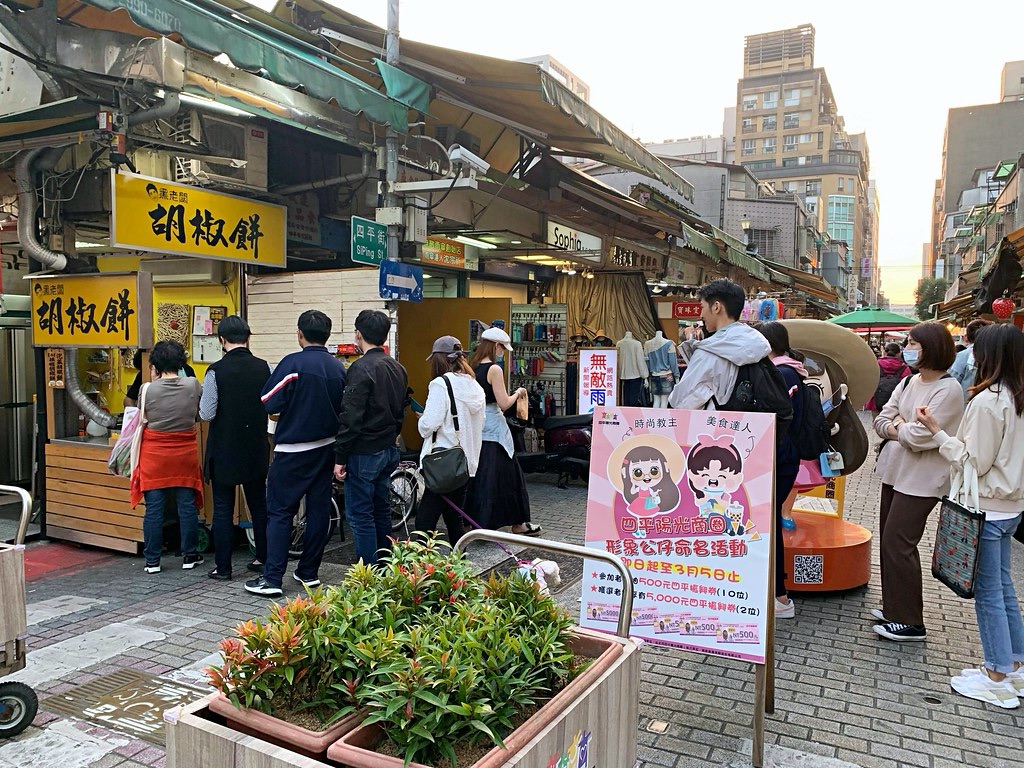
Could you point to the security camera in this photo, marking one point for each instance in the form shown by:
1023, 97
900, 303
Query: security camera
463, 158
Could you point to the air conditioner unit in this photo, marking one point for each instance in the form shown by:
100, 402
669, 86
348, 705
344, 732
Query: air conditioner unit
185, 271
240, 146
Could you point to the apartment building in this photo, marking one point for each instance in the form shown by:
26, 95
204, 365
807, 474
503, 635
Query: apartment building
789, 131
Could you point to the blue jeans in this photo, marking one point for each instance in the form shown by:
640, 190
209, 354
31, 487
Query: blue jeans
153, 522
292, 476
367, 485
995, 602
224, 520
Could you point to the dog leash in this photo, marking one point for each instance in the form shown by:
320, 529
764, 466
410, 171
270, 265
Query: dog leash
474, 524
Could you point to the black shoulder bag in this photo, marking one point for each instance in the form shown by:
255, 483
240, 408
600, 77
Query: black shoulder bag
446, 470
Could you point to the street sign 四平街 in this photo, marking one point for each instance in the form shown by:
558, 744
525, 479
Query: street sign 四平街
162, 217
99, 310
369, 241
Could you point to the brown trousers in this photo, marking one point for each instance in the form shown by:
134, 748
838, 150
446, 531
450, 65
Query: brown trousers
902, 522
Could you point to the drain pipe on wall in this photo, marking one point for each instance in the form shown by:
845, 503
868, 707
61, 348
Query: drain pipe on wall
368, 160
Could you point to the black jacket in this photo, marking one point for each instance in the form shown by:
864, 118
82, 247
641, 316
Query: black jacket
237, 449
372, 407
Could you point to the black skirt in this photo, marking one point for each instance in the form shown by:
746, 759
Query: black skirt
498, 495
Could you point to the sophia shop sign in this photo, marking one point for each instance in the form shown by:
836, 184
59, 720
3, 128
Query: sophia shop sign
98, 310
162, 217
580, 244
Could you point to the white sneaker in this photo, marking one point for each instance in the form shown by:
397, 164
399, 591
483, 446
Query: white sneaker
785, 610
1014, 680
877, 613
982, 688
308, 583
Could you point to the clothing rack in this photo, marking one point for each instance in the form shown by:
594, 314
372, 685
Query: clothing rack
540, 340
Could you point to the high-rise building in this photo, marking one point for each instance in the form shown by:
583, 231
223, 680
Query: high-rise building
562, 73
789, 131
977, 140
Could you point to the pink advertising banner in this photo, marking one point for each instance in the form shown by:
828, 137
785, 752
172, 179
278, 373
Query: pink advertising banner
685, 499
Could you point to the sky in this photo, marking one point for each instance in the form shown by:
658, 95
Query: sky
666, 69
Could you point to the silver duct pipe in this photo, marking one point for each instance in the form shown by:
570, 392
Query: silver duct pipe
368, 159
74, 390
28, 207
50, 83
169, 108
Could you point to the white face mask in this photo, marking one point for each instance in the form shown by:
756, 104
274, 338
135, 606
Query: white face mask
912, 357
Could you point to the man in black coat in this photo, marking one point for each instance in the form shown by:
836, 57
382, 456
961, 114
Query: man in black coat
237, 449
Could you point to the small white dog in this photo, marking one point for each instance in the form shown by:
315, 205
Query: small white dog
545, 572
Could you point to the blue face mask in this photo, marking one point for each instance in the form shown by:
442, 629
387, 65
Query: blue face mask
912, 357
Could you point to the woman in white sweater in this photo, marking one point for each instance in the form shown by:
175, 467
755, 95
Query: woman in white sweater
914, 476
990, 442
449, 367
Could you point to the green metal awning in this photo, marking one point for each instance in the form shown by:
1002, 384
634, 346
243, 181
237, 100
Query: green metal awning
701, 243
1004, 170
58, 116
217, 30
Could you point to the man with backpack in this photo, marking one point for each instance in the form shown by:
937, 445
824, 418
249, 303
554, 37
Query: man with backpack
714, 366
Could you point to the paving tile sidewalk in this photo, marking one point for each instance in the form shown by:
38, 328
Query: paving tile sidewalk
843, 696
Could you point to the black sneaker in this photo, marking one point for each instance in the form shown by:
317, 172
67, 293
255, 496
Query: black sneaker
260, 586
218, 576
901, 633
255, 566
152, 567
307, 583
188, 562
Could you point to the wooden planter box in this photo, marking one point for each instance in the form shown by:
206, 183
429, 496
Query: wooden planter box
597, 719
13, 627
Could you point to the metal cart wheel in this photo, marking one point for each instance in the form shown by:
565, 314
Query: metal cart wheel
203, 539
403, 497
18, 707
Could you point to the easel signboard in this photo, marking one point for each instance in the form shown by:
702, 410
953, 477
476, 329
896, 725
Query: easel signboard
685, 499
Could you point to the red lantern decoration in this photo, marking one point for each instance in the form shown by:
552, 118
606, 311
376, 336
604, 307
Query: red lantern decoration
1003, 308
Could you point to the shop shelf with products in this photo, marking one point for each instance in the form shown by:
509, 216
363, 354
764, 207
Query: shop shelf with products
540, 338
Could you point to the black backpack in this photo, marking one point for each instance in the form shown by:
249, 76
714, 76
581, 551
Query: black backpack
811, 434
887, 384
760, 388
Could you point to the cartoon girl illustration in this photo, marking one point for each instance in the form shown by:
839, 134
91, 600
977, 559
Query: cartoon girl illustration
647, 484
714, 471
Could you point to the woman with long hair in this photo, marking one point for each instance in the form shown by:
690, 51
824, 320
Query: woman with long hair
168, 455
498, 496
451, 379
787, 459
914, 475
989, 444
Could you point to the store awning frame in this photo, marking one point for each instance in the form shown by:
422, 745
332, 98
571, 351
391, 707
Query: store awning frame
71, 114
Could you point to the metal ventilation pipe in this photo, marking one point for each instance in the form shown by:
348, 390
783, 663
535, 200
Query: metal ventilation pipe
74, 390
169, 108
335, 181
28, 207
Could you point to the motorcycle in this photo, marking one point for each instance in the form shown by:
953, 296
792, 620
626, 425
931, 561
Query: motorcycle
566, 447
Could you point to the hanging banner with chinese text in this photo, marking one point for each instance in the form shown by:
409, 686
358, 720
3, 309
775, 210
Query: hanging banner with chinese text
598, 378
100, 310
685, 499
163, 217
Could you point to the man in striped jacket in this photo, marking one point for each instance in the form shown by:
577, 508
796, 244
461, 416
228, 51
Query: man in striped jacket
305, 392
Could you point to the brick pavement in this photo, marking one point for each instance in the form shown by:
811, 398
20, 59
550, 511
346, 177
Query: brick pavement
843, 696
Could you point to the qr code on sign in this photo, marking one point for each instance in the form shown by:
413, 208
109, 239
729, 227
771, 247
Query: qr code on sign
808, 569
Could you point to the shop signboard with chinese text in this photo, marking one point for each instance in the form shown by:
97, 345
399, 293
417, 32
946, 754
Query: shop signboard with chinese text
369, 241
579, 244
598, 379
304, 218
162, 217
686, 310
449, 253
98, 310
685, 499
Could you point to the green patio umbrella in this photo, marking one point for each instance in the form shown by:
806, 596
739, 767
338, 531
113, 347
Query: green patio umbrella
872, 319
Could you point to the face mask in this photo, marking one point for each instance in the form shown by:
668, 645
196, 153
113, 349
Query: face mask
911, 357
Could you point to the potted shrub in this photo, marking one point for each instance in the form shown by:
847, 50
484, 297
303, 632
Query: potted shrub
294, 679
472, 689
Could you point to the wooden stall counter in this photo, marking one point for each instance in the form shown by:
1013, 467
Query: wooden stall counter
84, 501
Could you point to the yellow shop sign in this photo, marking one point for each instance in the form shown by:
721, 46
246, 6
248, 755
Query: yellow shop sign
163, 217
99, 310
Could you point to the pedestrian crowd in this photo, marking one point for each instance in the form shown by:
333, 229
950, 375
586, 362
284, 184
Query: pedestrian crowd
939, 414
